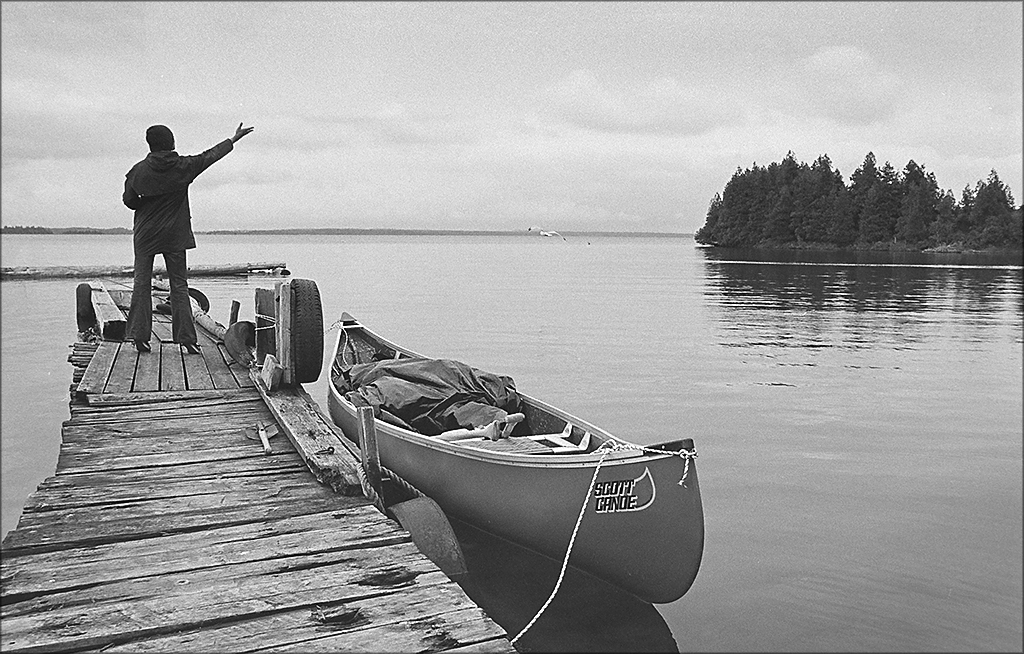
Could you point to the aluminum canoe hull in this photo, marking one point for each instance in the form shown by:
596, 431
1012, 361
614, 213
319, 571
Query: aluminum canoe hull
643, 526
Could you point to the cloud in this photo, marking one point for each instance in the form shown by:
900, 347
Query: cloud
659, 105
845, 84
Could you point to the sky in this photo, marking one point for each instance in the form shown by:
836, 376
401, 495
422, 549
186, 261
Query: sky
599, 116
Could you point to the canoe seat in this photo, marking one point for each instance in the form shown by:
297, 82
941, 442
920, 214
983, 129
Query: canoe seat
513, 444
560, 443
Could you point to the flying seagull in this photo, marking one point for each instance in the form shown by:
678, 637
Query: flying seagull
544, 233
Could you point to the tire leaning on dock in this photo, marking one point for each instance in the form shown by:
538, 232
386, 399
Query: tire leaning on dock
84, 312
307, 337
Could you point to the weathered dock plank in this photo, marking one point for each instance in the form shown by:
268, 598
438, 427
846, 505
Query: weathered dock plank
147, 373
218, 367
122, 372
32, 575
197, 375
95, 377
172, 371
162, 332
373, 624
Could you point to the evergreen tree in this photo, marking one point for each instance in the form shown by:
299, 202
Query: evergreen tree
943, 230
918, 211
873, 223
707, 233
842, 223
963, 214
778, 227
992, 213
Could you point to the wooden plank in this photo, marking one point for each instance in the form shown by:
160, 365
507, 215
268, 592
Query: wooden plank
109, 317
227, 409
84, 495
172, 371
437, 631
121, 297
54, 530
147, 377
220, 373
91, 463
159, 445
316, 441
228, 406
162, 332
34, 574
98, 432
411, 621
184, 406
122, 373
124, 519
165, 605
96, 374
280, 463
197, 375
238, 371
283, 333
139, 397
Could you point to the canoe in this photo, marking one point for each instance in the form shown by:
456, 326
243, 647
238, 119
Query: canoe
527, 479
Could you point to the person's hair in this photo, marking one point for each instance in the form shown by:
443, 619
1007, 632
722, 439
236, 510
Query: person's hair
159, 138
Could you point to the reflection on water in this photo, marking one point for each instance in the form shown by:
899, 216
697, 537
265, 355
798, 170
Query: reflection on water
587, 615
739, 277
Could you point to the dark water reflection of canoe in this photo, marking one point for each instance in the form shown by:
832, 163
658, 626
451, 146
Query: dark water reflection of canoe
587, 615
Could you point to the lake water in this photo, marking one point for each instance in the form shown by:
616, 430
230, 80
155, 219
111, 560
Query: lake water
858, 420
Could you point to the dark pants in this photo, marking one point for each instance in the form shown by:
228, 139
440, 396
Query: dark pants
140, 316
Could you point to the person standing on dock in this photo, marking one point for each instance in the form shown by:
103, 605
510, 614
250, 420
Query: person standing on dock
156, 188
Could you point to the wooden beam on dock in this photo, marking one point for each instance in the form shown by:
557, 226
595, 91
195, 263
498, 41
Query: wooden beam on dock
110, 319
317, 441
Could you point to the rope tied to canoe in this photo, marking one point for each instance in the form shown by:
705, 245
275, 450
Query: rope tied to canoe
606, 448
572, 541
334, 325
685, 455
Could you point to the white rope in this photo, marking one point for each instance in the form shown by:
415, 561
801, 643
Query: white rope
609, 447
334, 325
572, 541
271, 319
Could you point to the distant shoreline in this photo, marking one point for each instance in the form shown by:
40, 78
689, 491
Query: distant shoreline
337, 231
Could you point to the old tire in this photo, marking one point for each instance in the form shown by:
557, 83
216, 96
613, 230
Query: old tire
201, 299
307, 328
84, 313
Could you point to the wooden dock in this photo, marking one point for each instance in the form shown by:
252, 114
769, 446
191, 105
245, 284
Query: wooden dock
167, 528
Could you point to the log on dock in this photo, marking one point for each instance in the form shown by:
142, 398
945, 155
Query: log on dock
207, 270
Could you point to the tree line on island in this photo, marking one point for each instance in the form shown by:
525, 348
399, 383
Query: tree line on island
791, 204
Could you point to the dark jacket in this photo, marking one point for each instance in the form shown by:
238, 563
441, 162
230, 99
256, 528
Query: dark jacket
157, 189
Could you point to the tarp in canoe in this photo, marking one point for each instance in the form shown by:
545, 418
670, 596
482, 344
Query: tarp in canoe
432, 395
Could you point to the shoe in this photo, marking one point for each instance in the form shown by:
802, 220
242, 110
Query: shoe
191, 348
143, 346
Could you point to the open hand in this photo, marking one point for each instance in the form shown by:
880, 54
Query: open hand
240, 132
